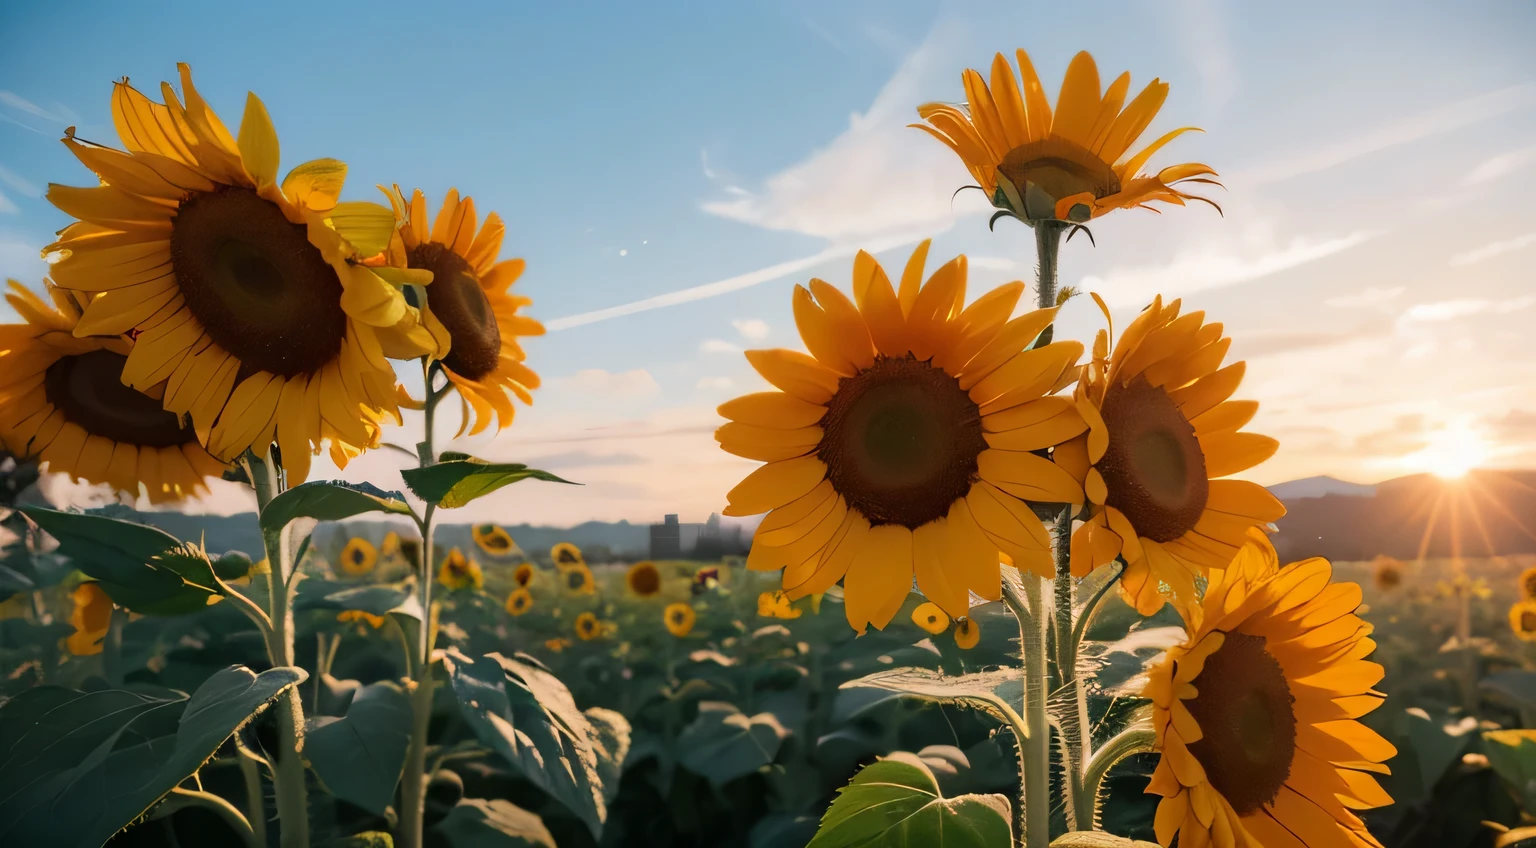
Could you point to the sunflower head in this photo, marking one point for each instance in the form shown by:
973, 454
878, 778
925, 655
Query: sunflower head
1528, 584
63, 401
967, 633
904, 446
523, 574
493, 540
643, 579
577, 580
557, 644
460, 572
358, 557
1256, 713
251, 304
1387, 573
588, 627
519, 601
566, 555
368, 618
1070, 164
469, 310
679, 619
1161, 433
1522, 620
705, 580
391, 545
930, 618
91, 615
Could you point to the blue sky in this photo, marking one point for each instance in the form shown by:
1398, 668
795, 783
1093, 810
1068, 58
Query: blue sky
1374, 264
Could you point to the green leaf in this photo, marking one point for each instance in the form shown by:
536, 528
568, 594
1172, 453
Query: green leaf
1437, 744
724, 743
478, 823
79, 767
330, 500
359, 757
1512, 754
460, 478
377, 599
1515, 685
994, 692
141, 568
524, 713
896, 802
19, 632
366, 839
233, 565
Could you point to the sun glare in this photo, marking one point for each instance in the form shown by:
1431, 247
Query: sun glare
1450, 454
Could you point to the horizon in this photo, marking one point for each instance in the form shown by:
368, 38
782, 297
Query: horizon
1367, 314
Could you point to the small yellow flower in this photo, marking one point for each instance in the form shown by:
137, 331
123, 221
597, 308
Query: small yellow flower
519, 602
358, 557
679, 618
566, 555
643, 579
776, 605
374, 621
523, 574
91, 616
588, 627
1522, 620
557, 645
1528, 584
967, 633
459, 572
492, 539
578, 580
391, 546
929, 617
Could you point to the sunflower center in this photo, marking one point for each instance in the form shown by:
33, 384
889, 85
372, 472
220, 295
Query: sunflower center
458, 301
575, 579
1247, 713
900, 441
679, 617
89, 390
1060, 168
255, 283
1153, 469
645, 581
1528, 620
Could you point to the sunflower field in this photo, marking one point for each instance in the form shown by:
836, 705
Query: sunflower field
1006, 589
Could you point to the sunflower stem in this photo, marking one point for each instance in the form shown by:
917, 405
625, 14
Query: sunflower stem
1129, 742
255, 801
1073, 716
288, 771
413, 780
1025, 599
1047, 249
231, 815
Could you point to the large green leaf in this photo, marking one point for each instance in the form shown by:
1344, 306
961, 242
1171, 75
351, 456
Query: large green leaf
330, 500
1512, 753
79, 766
724, 743
524, 713
359, 756
992, 691
1437, 744
896, 802
478, 823
374, 599
141, 568
460, 478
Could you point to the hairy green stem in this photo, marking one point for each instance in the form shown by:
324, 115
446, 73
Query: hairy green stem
1025, 600
226, 811
1073, 716
1131, 741
414, 777
255, 801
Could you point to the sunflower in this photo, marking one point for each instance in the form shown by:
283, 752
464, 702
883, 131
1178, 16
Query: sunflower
588, 627
903, 445
705, 580
358, 557
1256, 713
91, 616
468, 310
493, 540
565, 555
679, 618
1387, 573
1161, 432
967, 633
1522, 620
557, 644
776, 605
929, 617
643, 579
247, 295
578, 580
460, 572
523, 574
1528, 584
519, 601
62, 400
374, 621
391, 546
1070, 165
410, 551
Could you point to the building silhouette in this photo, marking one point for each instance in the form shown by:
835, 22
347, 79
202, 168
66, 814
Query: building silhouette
708, 541
666, 539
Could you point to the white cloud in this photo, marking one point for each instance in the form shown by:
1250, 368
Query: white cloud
20, 258
21, 104
1440, 119
1208, 268
1494, 249
596, 381
1373, 296
1498, 166
718, 346
1448, 310
715, 383
1200, 26
7, 207
752, 328
19, 184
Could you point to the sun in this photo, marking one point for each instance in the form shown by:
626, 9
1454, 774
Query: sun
1450, 453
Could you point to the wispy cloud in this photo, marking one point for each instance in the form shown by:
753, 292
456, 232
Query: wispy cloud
715, 384
1200, 26
751, 328
1494, 249
1441, 119
1209, 268
1448, 310
18, 183
7, 206
596, 381
1373, 296
1499, 166
718, 346
59, 115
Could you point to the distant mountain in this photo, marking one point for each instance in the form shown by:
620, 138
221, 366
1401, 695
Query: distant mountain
1486, 513
1316, 487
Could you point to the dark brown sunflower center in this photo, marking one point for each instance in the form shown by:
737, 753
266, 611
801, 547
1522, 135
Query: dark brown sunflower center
358, 556
678, 617
89, 390
645, 581
1154, 469
900, 441
255, 283
1528, 621
1247, 713
494, 538
575, 579
1061, 168
457, 300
